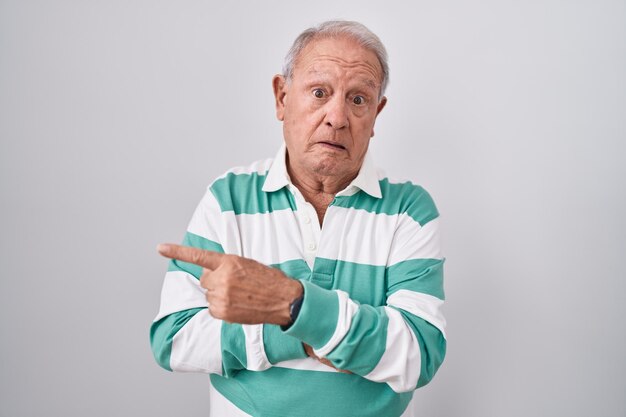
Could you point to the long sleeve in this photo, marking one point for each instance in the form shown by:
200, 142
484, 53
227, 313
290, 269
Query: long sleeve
184, 336
401, 343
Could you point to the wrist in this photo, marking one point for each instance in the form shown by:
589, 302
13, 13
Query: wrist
295, 305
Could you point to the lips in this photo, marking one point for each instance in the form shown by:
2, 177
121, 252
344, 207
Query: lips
334, 145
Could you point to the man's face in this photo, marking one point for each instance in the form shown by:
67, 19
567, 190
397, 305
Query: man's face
329, 107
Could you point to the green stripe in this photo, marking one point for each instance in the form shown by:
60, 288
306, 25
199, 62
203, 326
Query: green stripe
310, 394
364, 344
365, 283
163, 331
419, 275
243, 194
432, 346
297, 268
233, 349
372, 284
194, 241
397, 198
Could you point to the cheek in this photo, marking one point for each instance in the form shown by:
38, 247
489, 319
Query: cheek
362, 124
305, 118
296, 112
296, 130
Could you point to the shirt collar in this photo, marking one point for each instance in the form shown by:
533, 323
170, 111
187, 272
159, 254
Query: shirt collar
277, 177
367, 179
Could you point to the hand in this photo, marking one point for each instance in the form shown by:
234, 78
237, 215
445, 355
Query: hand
309, 351
240, 290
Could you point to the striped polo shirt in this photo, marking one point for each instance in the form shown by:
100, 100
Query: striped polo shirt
373, 289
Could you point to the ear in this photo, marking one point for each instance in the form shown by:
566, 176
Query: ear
279, 85
379, 108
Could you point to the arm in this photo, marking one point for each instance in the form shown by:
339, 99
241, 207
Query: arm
184, 337
402, 343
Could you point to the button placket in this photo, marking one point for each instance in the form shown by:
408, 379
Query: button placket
310, 235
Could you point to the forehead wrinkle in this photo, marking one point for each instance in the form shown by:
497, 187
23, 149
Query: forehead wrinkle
347, 54
374, 70
369, 80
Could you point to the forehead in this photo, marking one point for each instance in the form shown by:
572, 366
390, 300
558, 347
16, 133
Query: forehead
342, 54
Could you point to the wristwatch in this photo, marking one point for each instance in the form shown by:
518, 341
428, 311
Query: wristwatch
294, 310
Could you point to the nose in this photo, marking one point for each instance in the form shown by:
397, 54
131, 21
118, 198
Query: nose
337, 113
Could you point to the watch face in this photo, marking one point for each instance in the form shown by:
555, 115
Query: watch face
294, 308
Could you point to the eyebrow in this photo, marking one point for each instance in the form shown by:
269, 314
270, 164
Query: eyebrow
370, 83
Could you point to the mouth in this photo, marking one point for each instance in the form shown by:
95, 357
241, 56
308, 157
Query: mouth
332, 145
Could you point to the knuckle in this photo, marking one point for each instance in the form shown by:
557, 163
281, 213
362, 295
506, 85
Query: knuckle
196, 257
205, 278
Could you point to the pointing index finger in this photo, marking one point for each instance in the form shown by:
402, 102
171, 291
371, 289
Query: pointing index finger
203, 258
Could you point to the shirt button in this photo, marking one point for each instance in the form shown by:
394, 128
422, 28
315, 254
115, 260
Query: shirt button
311, 246
306, 219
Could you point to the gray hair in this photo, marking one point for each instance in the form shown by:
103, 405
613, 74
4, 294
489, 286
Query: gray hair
335, 28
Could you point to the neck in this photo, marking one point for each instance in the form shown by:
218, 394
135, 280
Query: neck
319, 190
318, 184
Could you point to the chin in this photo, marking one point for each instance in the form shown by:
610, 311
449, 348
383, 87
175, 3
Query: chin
327, 168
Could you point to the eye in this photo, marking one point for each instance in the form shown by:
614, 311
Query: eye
318, 93
358, 100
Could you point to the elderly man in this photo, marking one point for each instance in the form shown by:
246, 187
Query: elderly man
310, 284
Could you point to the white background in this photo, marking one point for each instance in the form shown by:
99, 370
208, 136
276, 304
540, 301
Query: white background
115, 115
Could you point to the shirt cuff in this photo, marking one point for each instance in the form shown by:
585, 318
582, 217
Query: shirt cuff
317, 321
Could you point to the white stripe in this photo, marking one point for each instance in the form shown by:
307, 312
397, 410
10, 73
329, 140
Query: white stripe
347, 310
306, 364
400, 365
230, 239
197, 346
181, 291
421, 305
257, 167
413, 241
270, 238
256, 359
207, 213
358, 236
